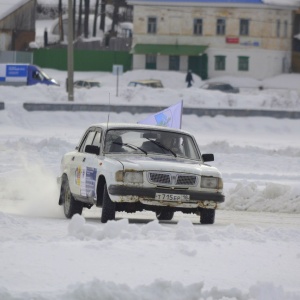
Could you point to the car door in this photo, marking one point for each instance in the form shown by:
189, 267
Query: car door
89, 167
77, 176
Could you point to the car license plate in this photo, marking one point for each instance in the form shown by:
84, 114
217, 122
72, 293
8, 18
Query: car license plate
171, 197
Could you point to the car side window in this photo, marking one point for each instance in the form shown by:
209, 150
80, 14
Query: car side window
87, 141
97, 139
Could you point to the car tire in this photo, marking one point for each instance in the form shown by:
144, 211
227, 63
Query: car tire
71, 206
164, 215
108, 207
207, 216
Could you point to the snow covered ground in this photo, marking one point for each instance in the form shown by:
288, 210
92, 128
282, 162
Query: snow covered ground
251, 252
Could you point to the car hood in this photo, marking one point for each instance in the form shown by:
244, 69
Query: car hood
166, 164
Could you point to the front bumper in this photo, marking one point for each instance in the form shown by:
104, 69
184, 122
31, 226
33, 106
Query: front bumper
147, 196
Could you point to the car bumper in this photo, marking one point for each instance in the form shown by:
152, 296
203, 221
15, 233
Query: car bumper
146, 196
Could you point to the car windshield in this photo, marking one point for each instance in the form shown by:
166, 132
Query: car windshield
44, 74
146, 142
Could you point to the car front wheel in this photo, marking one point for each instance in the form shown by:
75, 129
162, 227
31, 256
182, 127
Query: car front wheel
108, 207
164, 215
71, 206
207, 216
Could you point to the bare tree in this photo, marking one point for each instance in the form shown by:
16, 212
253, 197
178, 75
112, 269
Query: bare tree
74, 17
95, 18
86, 17
115, 15
102, 15
60, 21
79, 26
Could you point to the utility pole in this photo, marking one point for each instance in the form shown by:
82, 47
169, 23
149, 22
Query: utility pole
70, 81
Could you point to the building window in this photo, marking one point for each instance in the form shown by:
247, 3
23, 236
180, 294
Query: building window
174, 62
221, 26
198, 26
243, 63
285, 29
278, 28
244, 27
150, 62
152, 23
220, 63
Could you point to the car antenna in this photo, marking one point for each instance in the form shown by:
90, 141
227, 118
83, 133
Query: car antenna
108, 110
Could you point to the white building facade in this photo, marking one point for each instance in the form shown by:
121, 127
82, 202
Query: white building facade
213, 38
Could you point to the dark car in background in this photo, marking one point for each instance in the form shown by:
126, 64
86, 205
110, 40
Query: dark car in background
154, 83
86, 84
222, 87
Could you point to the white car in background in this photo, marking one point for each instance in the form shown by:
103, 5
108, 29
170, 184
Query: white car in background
134, 167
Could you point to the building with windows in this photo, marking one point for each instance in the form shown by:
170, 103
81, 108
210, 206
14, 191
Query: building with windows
296, 43
17, 24
213, 38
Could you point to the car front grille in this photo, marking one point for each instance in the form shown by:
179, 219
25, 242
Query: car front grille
172, 179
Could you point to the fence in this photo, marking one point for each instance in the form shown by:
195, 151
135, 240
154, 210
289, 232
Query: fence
16, 57
136, 109
84, 60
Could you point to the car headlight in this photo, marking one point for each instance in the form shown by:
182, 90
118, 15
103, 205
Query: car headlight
211, 182
129, 177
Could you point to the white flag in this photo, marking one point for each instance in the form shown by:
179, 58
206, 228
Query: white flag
169, 117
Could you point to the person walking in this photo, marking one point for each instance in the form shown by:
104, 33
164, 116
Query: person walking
45, 38
189, 78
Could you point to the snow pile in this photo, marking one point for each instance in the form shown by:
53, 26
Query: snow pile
160, 289
283, 2
279, 93
119, 260
184, 231
250, 253
272, 198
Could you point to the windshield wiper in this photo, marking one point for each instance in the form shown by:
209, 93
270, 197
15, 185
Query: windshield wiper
162, 146
131, 146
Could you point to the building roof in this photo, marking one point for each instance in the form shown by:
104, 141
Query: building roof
204, 1
9, 6
217, 2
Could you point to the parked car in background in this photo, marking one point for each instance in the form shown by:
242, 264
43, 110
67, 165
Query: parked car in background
86, 84
221, 86
154, 83
18, 74
135, 167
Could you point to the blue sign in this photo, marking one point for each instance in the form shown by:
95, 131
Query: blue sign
16, 70
90, 183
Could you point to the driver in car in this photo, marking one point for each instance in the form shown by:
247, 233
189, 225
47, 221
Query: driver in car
171, 143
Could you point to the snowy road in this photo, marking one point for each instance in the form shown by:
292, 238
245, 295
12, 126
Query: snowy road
242, 253
252, 252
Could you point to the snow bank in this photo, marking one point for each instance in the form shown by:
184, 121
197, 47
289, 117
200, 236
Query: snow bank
184, 231
160, 289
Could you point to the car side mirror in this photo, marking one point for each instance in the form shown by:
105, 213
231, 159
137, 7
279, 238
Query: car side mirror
208, 157
92, 149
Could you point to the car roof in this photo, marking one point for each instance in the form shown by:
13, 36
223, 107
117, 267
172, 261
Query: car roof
87, 80
146, 81
136, 126
217, 83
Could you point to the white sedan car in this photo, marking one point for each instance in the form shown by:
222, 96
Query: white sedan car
134, 167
